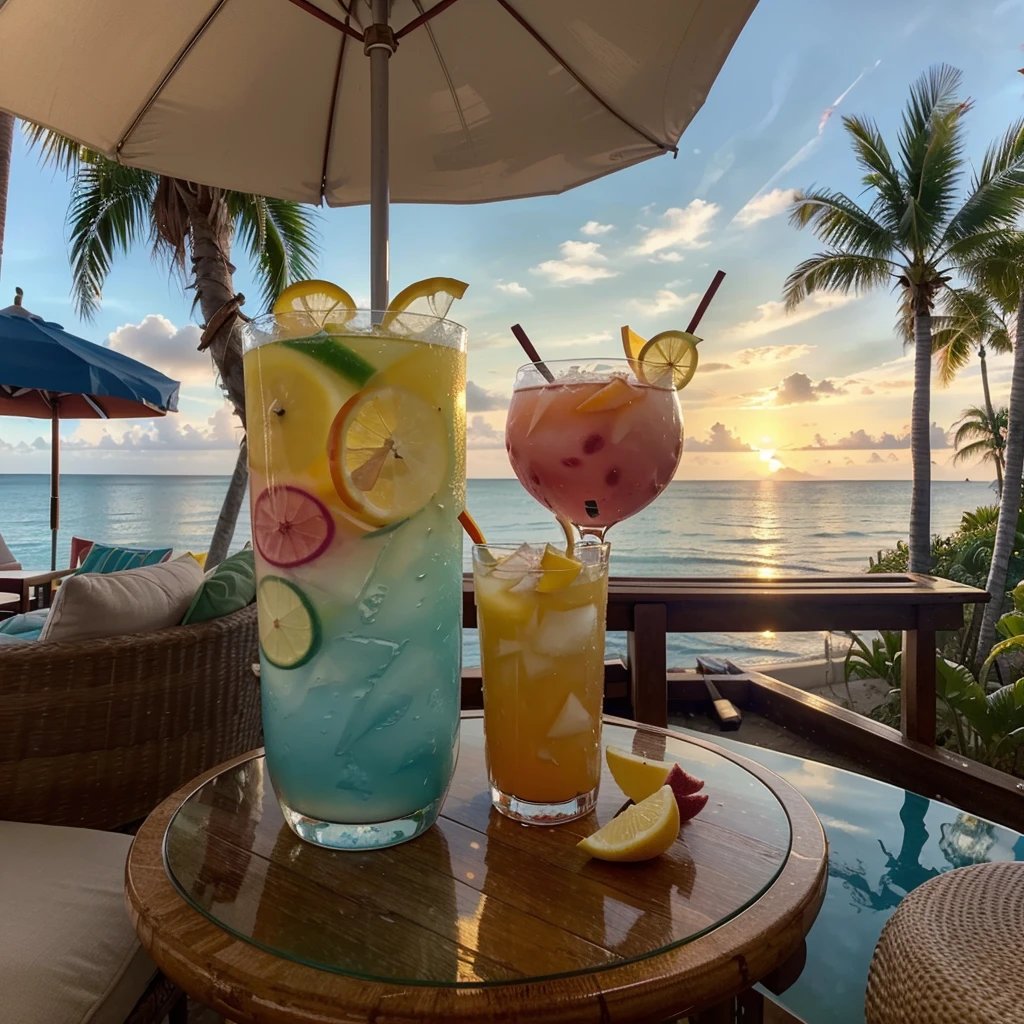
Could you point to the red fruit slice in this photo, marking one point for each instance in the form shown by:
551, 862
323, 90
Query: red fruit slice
690, 806
682, 782
290, 526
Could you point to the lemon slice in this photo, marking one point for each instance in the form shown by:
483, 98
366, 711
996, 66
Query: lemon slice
318, 304
432, 296
632, 343
388, 453
669, 359
290, 403
558, 571
640, 832
637, 777
288, 625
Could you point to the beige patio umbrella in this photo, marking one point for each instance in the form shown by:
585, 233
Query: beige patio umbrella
472, 100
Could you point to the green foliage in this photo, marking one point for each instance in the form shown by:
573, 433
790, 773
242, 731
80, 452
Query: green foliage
881, 660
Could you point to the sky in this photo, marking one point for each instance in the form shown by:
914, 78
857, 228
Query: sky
823, 392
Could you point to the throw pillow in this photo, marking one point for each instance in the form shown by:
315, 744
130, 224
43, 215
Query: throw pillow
95, 605
107, 558
227, 588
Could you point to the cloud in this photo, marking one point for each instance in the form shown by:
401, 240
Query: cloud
581, 263
862, 440
720, 439
671, 256
798, 388
171, 350
681, 228
592, 340
480, 434
221, 432
479, 399
766, 355
593, 228
715, 367
765, 205
513, 288
772, 316
664, 301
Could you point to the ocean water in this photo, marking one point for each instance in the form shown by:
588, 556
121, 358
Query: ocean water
709, 528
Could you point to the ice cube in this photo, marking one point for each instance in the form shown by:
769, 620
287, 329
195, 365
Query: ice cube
507, 647
377, 711
352, 778
535, 664
516, 565
544, 399
545, 755
562, 633
571, 721
527, 585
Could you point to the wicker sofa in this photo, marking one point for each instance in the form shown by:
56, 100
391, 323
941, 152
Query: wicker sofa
96, 733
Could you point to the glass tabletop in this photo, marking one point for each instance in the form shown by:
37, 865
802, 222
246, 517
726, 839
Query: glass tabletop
478, 899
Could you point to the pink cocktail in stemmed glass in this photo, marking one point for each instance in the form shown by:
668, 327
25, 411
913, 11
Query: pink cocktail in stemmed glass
592, 441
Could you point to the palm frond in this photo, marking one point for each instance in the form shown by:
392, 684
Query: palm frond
981, 450
109, 212
1000, 340
840, 223
882, 176
996, 267
56, 150
280, 237
835, 271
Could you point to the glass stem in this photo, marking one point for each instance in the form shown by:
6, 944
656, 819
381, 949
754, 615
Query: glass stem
597, 532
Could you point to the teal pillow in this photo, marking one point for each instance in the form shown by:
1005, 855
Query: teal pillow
105, 558
227, 588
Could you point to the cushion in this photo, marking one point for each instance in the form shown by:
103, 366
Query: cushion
95, 605
68, 953
227, 588
27, 626
104, 558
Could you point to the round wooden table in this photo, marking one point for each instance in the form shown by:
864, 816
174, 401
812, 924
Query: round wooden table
480, 918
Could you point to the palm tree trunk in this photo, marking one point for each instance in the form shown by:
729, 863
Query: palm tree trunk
1009, 503
212, 270
920, 446
225, 528
6, 149
991, 413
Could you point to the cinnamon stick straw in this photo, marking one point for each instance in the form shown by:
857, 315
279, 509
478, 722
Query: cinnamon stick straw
534, 355
705, 302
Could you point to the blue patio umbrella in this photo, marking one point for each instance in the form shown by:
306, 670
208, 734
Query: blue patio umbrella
46, 373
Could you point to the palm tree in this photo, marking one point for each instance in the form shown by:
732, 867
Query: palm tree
981, 436
912, 236
971, 323
6, 148
999, 271
113, 208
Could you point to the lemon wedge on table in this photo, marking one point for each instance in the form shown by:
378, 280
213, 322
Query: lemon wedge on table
669, 359
288, 626
637, 776
388, 452
316, 304
432, 296
641, 832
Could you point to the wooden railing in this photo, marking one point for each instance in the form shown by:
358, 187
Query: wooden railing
648, 609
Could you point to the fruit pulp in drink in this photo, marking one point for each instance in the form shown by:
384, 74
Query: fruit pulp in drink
595, 452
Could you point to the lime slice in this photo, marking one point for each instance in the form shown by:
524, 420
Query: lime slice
288, 624
432, 296
290, 526
632, 343
388, 453
669, 359
335, 356
640, 832
290, 403
317, 304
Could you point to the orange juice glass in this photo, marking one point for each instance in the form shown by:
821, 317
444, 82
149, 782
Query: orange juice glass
542, 657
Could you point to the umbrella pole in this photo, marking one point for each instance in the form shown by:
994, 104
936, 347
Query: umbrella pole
380, 44
54, 477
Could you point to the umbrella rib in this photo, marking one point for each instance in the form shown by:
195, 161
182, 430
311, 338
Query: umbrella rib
99, 410
436, 9
664, 147
424, 17
186, 50
334, 102
327, 19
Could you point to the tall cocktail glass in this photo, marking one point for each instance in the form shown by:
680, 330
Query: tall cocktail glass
542, 660
592, 441
356, 434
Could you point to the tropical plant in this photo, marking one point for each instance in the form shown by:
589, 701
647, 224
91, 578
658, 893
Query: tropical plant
6, 150
882, 659
998, 268
114, 208
913, 235
970, 323
980, 436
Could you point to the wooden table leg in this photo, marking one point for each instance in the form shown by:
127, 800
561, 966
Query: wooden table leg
648, 675
917, 714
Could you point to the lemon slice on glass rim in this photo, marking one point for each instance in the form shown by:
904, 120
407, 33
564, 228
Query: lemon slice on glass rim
669, 360
316, 303
388, 451
433, 296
